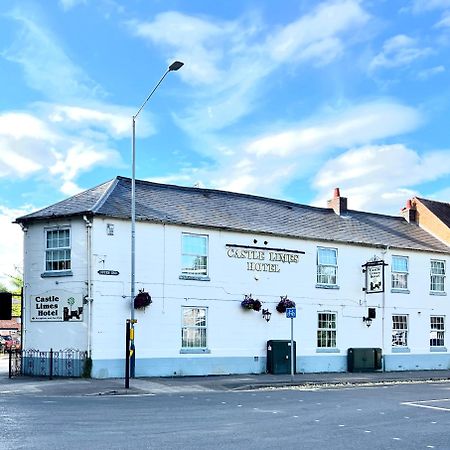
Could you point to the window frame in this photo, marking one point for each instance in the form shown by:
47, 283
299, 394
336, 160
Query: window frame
65, 262
319, 264
326, 334
401, 332
434, 276
396, 274
190, 274
185, 327
437, 330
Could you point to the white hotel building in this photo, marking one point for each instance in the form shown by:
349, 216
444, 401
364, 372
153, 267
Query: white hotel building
199, 252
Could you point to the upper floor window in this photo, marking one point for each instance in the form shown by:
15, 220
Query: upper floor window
194, 257
327, 266
437, 276
326, 330
399, 272
437, 331
57, 249
193, 328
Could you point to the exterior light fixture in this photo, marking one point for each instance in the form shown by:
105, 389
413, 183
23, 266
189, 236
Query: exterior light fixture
371, 314
266, 314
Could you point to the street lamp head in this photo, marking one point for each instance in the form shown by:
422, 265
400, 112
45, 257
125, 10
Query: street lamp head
176, 65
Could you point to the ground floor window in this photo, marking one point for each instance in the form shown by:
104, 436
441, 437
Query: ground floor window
194, 326
326, 330
437, 331
400, 331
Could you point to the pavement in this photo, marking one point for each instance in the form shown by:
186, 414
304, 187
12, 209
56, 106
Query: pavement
179, 385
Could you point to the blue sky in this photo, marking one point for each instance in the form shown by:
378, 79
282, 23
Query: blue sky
283, 99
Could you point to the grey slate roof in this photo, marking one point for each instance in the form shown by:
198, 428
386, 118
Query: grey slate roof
440, 209
162, 203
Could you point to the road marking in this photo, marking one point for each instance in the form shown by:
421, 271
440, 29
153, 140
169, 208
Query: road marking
423, 404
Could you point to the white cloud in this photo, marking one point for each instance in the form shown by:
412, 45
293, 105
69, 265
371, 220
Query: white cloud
65, 140
230, 60
356, 125
380, 177
79, 158
399, 51
36, 48
431, 72
66, 5
266, 165
23, 125
444, 22
315, 34
117, 124
420, 6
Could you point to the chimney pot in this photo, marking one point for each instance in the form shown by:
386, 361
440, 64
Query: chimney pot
408, 204
337, 193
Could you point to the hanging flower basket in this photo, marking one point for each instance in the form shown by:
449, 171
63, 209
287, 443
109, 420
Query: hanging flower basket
250, 303
142, 300
284, 303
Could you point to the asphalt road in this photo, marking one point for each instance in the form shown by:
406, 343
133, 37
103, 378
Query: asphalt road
404, 416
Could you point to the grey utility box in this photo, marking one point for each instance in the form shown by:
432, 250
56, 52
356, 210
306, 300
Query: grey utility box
279, 357
364, 359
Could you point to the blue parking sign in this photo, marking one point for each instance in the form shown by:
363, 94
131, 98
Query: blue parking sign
291, 313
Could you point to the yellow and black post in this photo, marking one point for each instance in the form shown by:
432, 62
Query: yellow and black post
127, 354
129, 351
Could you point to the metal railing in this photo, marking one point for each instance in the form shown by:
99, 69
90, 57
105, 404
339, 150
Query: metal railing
54, 363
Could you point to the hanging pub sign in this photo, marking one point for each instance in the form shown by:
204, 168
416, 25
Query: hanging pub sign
374, 271
56, 306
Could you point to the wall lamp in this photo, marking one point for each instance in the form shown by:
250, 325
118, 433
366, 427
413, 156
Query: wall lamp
371, 314
266, 314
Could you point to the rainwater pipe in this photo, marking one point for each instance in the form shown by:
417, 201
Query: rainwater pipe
89, 283
383, 304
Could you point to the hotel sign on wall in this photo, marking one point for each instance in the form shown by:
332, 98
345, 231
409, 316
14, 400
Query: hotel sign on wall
374, 271
56, 306
263, 259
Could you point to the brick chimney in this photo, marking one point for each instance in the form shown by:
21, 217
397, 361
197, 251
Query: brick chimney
338, 203
409, 212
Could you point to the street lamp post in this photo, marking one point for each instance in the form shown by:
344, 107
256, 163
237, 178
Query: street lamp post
130, 369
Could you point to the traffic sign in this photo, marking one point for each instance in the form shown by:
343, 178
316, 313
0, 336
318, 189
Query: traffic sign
291, 313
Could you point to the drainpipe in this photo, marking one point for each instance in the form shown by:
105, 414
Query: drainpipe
23, 309
383, 305
89, 282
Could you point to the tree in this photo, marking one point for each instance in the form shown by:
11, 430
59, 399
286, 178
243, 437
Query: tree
16, 282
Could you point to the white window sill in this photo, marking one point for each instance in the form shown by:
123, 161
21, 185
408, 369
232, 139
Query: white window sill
327, 286
401, 350
400, 291
194, 351
194, 277
57, 273
438, 293
327, 350
438, 349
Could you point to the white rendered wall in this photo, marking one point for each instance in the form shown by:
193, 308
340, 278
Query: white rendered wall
233, 334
